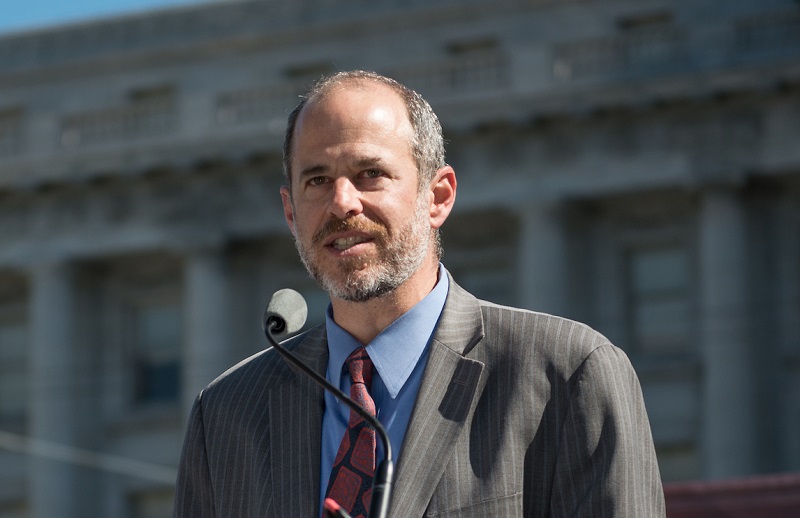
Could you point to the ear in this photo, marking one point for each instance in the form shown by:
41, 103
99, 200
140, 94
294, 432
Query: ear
443, 195
288, 212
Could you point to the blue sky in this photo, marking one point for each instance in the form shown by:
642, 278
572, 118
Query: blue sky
19, 15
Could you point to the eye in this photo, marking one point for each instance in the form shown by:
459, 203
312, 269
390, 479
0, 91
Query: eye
372, 173
317, 180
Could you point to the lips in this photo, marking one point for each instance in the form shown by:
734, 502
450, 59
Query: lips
343, 243
341, 235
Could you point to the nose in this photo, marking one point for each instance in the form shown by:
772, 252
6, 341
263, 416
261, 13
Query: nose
346, 200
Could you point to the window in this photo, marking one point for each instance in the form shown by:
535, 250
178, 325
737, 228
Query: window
10, 132
639, 255
644, 20
142, 334
480, 251
258, 269
13, 371
153, 504
156, 335
14, 340
659, 303
678, 461
658, 282
309, 72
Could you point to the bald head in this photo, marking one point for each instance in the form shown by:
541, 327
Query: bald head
426, 141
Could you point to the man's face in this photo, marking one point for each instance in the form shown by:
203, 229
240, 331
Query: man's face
360, 222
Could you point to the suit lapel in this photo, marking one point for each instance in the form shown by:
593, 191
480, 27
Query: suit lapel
447, 398
295, 419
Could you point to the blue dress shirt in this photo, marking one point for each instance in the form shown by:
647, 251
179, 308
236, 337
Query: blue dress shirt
399, 353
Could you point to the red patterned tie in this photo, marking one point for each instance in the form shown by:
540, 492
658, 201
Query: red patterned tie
353, 470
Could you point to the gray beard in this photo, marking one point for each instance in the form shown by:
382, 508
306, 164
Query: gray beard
397, 260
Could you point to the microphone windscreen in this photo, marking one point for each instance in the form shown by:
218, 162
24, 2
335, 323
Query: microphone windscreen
289, 307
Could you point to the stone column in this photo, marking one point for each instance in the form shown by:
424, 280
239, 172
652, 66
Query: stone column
207, 350
542, 268
728, 435
54, 378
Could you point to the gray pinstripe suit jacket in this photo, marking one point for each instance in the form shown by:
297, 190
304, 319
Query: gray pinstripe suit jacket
519, 414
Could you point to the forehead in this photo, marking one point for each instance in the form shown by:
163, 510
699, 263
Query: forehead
353, 110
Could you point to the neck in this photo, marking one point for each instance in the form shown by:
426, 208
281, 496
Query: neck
365, 320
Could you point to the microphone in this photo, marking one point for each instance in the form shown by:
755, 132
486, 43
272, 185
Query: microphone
285, 315
287, 312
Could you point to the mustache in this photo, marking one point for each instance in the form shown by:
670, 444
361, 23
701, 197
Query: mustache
347, 225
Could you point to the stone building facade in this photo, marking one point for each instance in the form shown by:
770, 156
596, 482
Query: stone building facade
634, 164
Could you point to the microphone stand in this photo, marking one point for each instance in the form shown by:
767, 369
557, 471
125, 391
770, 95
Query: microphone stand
382, 483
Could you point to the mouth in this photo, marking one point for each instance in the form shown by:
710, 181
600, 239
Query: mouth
348, 237
345, 243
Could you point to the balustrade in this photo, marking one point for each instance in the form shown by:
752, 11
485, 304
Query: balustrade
123, 123
645, 50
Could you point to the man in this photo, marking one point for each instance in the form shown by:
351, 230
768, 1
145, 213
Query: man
494, 411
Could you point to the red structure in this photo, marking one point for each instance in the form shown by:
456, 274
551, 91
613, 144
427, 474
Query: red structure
772, 496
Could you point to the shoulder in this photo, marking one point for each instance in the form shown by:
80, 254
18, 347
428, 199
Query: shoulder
555, 346
491, 329
263, 370
563, 358
552, 335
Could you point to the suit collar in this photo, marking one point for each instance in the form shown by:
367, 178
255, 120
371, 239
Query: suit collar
461, 325
450, 389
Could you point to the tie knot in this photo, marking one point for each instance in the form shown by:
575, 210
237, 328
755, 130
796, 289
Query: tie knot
360, 366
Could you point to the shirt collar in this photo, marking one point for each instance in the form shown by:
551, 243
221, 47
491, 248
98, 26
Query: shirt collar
397, 349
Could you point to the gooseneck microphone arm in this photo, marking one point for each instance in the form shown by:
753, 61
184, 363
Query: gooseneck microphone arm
285, 315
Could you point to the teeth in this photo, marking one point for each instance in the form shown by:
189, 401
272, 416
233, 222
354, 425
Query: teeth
343, 243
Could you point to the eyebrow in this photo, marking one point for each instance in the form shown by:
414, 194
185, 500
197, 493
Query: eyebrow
313, 170
368, 161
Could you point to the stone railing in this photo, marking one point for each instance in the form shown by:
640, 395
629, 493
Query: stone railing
658, 50
117, 36
483, 71
256, 105
156, 31
154, 118
646, 53
643, 51
772, 31
472, 72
